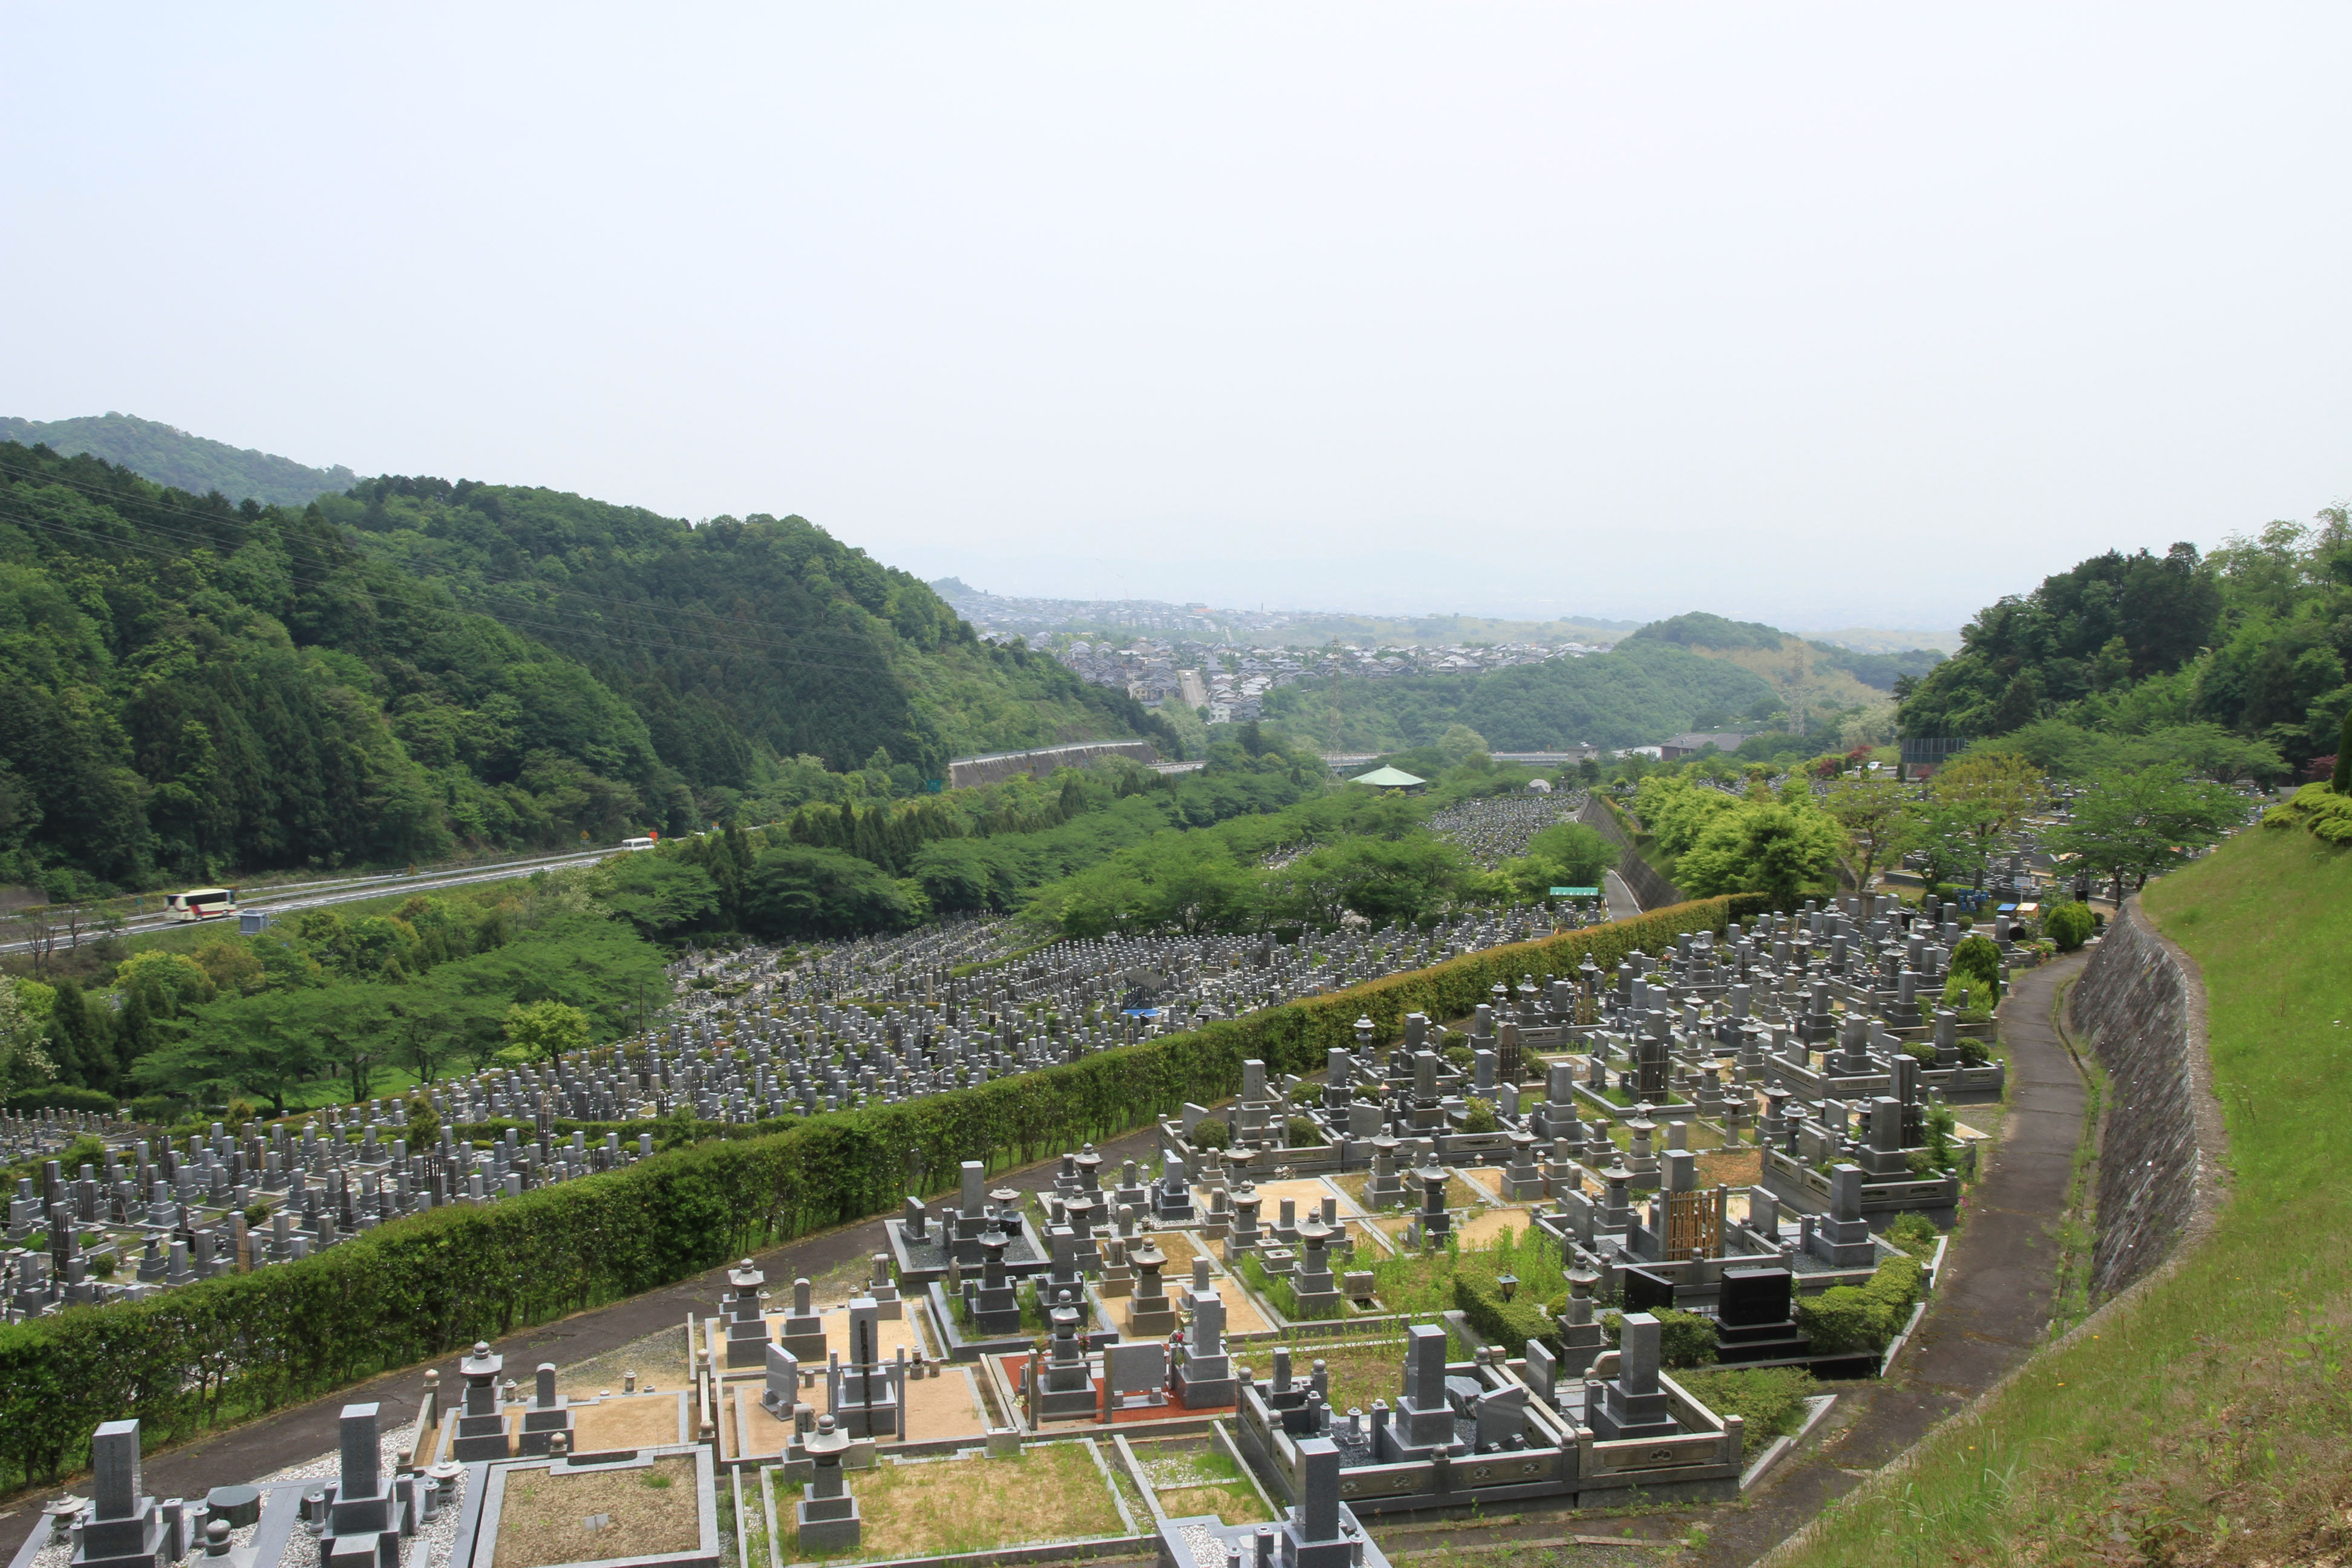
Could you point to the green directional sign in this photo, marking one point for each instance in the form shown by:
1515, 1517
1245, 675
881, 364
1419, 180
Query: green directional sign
1576, 892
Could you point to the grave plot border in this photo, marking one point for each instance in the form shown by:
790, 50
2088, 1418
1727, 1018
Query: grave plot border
486, 1487
1219, 1438
1073, 1549
492, 1492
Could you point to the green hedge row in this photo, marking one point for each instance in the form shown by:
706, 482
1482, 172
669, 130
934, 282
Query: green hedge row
1847, 1318
232, 1347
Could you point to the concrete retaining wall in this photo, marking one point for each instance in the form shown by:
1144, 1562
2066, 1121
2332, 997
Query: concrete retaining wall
1652, 890
2140, 1005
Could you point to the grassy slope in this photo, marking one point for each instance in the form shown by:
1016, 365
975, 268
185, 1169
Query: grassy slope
2204, 1424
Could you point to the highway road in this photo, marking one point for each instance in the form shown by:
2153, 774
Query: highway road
295, 896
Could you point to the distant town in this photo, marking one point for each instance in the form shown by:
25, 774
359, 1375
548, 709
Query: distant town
1225, 662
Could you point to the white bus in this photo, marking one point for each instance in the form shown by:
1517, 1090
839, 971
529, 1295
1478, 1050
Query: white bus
633, 844
200, 904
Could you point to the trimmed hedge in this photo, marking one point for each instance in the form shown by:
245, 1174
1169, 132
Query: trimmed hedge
229, 1347
1847, 1318
63, 1097
1686, 1340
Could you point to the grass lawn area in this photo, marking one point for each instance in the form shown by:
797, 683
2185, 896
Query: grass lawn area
640, 1513
1051, 1492
2205, 1424
1195, 1477
1360, 1373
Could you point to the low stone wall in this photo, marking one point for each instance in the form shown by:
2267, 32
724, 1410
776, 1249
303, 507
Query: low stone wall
2140, 1005
1651, 890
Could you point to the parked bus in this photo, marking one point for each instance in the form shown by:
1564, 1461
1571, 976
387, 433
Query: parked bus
200, 904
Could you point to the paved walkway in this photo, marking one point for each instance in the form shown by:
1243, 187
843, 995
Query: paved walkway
301, 1433
2002, 1267
1622, 904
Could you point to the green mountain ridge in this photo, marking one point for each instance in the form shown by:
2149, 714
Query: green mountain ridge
1692, 671
385, 675
170, 456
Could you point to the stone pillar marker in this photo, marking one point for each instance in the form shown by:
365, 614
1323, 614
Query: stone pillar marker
1311, 1537
482, 1425
126, 1528
826, 1515
116, 1476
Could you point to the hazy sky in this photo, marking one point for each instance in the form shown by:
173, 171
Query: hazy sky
1820, 315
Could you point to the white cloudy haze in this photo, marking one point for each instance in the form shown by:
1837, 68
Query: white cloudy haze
1821, 315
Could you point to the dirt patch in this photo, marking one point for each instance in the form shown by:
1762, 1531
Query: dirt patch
947, 1405
1307, 1192
659, 1360
542, 1519
1459, 1193
644, 1421
1242, 1316
1051, 1492
1731, 1168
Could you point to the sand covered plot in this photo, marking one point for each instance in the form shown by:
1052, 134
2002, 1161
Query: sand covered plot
1459, 1193
1733, 1168
1481, 1228
1307, 1192
630, 1421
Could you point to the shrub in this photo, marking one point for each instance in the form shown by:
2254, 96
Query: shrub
1840, 1319
1685, 1339
1971, 997
1511, 1323
1974, 1052
1769, 1399
1920, 1051
64, 1097
1848, 1318
1459, 1057
1300, 1133
1977, 957
1478, 1116
2068, 925
1211, 1133
1914, 1233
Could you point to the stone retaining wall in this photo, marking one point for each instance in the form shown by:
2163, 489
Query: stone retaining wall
1651, 890
2141, 1007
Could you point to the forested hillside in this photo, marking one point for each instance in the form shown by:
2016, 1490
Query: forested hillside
2235, 661
172, 457
192, 688
1702, 632
1637, 695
